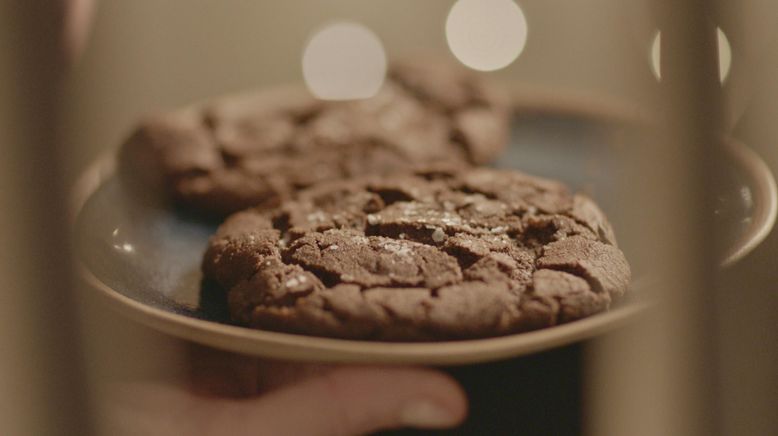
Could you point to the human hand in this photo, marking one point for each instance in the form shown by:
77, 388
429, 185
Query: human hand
238, 395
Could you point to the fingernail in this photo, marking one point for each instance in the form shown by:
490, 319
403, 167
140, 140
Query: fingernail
426, 414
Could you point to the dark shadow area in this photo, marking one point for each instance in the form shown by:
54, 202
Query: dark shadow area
213, 303
538, 394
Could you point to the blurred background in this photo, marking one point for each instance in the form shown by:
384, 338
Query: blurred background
146, 56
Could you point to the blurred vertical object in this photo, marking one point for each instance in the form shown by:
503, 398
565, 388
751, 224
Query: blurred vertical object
659, 376
41, 382
747, 301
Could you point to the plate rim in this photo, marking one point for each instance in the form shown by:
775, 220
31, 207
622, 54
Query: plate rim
764, 215
287, 346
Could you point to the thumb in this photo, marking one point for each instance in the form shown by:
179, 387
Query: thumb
350, 401
344, 401
356, 400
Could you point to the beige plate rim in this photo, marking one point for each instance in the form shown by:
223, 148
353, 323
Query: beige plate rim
315, 349
292, 347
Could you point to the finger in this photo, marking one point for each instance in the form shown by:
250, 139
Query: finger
345, 401
78, 20
275, 374
145, 408
220, 373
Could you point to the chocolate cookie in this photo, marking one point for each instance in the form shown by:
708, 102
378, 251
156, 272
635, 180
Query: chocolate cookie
258, 150
434, 255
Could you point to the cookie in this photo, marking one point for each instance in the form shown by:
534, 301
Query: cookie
259, 150
434, 255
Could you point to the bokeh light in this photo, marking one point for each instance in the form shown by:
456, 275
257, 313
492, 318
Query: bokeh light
724, 51
344, 61
486, 35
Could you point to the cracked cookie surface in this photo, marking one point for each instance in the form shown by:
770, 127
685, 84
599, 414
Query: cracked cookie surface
434, 255
259, 150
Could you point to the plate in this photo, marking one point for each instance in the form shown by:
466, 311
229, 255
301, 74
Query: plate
144, 259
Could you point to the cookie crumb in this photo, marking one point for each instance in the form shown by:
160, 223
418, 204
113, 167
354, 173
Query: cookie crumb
438, 235
316, 217
397, 248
